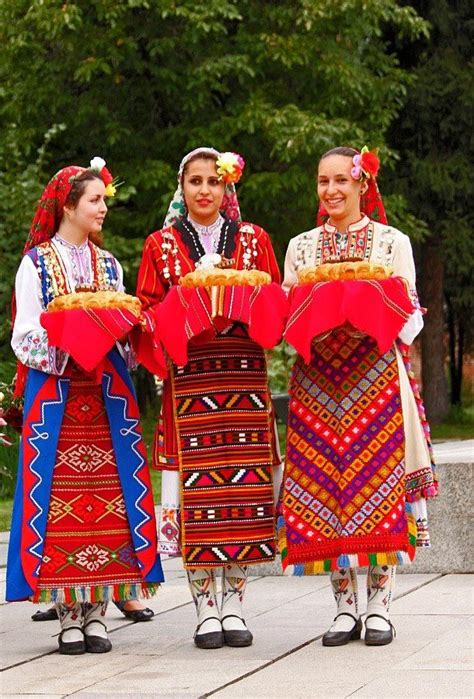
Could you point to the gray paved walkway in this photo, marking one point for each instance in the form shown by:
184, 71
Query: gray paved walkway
431, 656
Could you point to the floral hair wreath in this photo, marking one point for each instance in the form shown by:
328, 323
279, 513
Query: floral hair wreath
230, 167
97, 165
366, 164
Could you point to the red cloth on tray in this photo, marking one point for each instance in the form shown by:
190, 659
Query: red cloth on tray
147, 345
187, 313
88, 334
378, 308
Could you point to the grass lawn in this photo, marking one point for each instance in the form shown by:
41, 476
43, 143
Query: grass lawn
5, 514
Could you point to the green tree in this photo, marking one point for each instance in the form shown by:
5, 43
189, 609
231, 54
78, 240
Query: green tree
434, 139
142, 82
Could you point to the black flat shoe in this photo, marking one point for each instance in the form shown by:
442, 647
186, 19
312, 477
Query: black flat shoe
237, 638
73, 647
96, 644
375, 637
213, 639
341, 638
49, 615
137, 615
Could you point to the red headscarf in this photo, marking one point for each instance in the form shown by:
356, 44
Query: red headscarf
371, 203
49, 211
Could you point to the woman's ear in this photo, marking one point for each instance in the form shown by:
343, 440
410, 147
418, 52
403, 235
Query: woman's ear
67, 210
363, 187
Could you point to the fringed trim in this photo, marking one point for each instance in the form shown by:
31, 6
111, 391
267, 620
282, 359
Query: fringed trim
421, 484
97, 593
352, 560
405, 352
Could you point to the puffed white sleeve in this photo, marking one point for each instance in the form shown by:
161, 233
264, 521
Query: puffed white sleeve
404, 266
291, 277
29, 339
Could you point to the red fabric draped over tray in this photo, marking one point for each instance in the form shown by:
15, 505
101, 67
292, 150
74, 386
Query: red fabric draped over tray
88, 334
378, 308
188, 312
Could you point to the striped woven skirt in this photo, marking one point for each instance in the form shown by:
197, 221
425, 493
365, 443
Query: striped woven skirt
344, 495
222, 419
88, 552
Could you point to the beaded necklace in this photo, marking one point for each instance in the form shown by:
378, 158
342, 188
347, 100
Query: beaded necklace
198, 246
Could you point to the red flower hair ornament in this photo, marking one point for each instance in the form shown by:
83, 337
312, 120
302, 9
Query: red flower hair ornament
366, 164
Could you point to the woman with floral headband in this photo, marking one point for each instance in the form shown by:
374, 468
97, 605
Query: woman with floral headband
358, 464
83, 526
213, 441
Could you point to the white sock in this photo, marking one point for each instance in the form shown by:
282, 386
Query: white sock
345, 590
380, 584
234, 583
203, 589
94, 620
70, 618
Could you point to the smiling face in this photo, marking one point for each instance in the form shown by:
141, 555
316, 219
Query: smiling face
87, 216
338, 191
203, 190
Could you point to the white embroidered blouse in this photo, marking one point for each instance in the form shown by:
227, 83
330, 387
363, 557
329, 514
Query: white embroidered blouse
388, 246
29, 339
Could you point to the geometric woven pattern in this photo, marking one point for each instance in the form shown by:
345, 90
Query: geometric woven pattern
344, 486
88, 540
223, 426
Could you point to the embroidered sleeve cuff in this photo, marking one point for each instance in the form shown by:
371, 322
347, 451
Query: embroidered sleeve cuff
33, 351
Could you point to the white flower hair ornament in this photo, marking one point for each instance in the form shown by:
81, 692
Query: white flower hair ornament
97, 164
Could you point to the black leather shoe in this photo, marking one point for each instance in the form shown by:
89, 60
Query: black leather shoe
73, 647
96, 644
374, 637
237, 638
49, 615
340, 638
136, 615
213, 639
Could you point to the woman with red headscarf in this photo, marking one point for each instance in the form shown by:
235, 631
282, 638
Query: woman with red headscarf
83, 527
358, 463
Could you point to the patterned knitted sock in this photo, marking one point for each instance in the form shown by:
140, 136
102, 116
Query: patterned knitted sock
70, 618
202, 584
234, 582
94, 617
344, 587
380, 583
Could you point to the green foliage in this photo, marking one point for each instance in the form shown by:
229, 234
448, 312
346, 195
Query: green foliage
143, 82
279, 363
434, 138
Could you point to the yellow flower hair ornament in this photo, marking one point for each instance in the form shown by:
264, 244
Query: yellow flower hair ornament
230, 167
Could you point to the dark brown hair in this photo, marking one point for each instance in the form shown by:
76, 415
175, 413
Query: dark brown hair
199, 156
340, 150
79, 186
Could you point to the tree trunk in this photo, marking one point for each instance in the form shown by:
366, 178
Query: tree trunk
456, 352
433, 352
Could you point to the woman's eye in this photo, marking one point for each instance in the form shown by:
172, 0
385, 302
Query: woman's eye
214, 181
